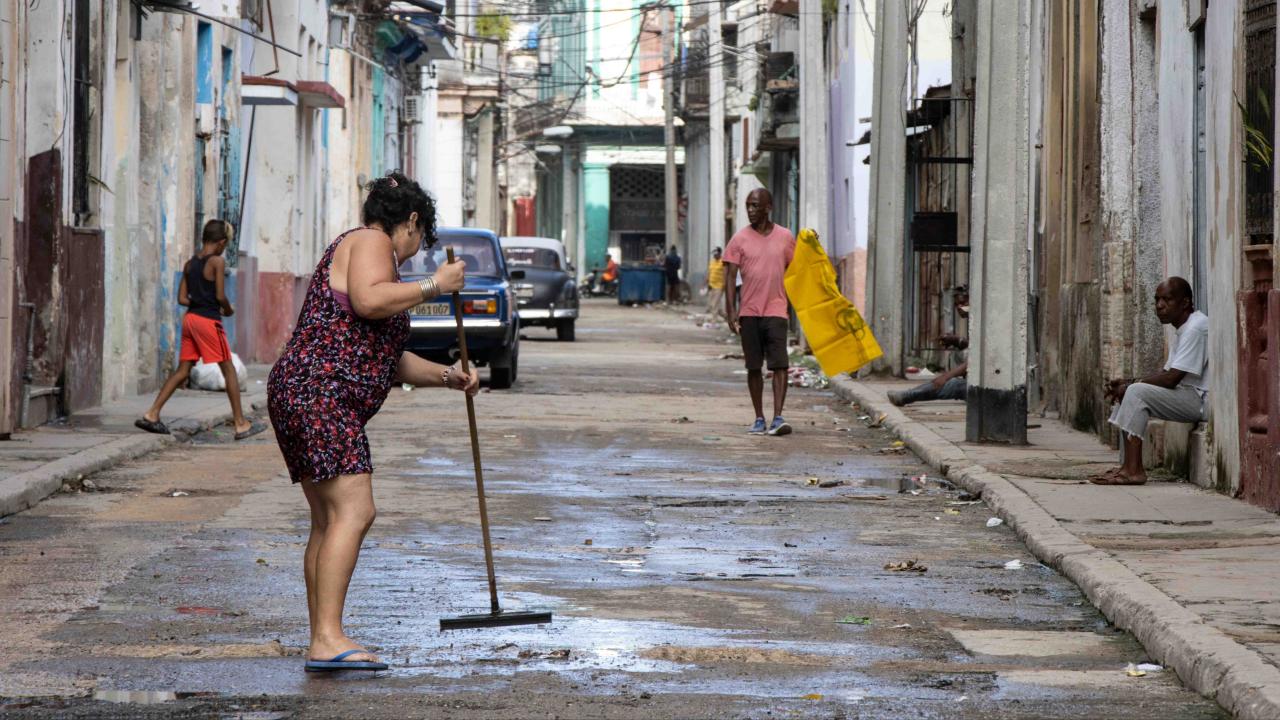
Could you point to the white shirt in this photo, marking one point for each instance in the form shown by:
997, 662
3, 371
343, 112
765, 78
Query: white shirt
1190, 352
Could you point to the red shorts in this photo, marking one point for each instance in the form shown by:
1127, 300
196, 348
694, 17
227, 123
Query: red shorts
203, 339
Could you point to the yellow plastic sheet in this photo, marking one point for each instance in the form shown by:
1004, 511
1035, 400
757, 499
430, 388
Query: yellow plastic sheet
841, 340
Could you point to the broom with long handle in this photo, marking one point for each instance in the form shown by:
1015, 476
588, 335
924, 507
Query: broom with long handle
496, 615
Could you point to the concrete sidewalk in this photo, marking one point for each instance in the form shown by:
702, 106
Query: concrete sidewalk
1192, 573
34, 463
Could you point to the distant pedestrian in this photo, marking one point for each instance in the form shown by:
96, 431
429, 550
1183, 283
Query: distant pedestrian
671, 266
715, 284
761, 253
202, 291
344, 356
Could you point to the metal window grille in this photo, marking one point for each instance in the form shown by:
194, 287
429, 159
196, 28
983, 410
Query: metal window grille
1259, 107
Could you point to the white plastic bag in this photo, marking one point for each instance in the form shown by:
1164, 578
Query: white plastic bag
208, 376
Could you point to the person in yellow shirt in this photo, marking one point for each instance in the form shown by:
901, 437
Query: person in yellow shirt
715, 285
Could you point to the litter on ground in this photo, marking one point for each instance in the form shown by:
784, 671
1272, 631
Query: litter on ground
854, 620
995, 522
906, 566
1013, 565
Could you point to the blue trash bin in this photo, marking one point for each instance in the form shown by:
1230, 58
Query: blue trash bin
641, 284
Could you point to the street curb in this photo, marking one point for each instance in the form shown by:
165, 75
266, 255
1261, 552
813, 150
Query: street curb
1205, 658
24, 490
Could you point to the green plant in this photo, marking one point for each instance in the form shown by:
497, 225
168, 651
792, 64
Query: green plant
753, 103
830, 8
494, 26
1259, 151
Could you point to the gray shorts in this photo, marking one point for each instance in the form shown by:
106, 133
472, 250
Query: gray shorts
1142, 402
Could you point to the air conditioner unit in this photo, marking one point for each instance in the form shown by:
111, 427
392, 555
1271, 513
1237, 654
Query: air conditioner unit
413, 109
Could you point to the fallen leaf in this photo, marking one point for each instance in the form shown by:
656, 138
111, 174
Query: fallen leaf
262, 561
587, 541
951, 511
812, 696
830, 483
854, 620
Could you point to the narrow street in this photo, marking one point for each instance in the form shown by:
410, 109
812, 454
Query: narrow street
694, 570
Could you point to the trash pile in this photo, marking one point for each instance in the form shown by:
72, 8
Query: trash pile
806, 378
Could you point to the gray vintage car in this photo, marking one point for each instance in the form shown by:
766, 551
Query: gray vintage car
547, 295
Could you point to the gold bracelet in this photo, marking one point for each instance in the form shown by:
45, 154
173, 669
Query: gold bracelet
427, 286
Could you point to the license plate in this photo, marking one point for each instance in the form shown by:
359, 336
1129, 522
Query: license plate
431, 309
524, 293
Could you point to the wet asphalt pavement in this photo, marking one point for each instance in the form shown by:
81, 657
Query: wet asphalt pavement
694, 570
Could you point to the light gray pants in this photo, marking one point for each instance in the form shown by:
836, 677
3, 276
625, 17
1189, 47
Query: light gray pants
1142, 402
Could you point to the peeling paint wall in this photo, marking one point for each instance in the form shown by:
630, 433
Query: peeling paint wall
12, 97
1223, 72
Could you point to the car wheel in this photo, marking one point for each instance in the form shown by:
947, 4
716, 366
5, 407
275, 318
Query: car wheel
565, 330
502, 371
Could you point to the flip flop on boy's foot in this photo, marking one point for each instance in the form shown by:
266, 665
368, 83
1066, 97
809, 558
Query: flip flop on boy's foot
151, 426
340, 662
254, 429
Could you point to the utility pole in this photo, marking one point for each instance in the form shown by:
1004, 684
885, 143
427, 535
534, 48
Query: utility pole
814, 182
669, 133
715, 206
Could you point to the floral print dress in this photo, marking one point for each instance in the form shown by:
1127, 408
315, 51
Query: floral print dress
331, 379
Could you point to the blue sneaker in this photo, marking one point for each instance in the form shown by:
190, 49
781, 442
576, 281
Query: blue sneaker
779, 427
758, 428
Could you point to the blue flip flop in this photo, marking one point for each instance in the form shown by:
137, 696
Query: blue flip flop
340, 663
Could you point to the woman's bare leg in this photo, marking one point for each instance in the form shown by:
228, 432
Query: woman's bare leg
178, 377
319, 521
348, 504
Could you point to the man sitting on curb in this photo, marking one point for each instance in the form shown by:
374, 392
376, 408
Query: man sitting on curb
1177, 393
952, 384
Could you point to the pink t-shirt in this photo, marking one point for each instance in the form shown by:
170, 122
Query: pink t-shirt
763, 261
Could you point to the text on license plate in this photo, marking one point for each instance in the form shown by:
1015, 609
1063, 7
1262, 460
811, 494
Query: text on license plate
431, 309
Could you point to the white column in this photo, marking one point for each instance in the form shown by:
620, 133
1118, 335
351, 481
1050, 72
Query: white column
715, 208
814, 180
424, 132
886, 228
1002, 223
569, 210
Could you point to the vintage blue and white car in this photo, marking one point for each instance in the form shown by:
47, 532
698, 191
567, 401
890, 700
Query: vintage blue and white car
489, 309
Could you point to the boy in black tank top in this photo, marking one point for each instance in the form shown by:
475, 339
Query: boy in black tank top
203, 293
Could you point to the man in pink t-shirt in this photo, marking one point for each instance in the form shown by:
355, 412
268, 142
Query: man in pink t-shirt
761, 253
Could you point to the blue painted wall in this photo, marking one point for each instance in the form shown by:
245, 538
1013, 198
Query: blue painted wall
204, 63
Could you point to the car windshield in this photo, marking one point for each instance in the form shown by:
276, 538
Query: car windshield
476, 252
532, 257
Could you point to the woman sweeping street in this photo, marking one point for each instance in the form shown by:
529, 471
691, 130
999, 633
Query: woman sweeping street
335, 373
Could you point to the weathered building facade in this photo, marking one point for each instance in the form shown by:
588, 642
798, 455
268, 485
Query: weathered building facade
125, 125
1116, 142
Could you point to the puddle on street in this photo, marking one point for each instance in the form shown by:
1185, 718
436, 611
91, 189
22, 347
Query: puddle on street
146, 697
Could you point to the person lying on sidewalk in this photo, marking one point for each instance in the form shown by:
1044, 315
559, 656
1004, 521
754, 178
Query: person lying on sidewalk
203, 293
952, 384
1177, 393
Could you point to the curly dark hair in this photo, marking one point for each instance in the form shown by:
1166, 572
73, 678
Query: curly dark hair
393, 198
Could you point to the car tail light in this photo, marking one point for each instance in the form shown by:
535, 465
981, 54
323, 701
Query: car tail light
480, 307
